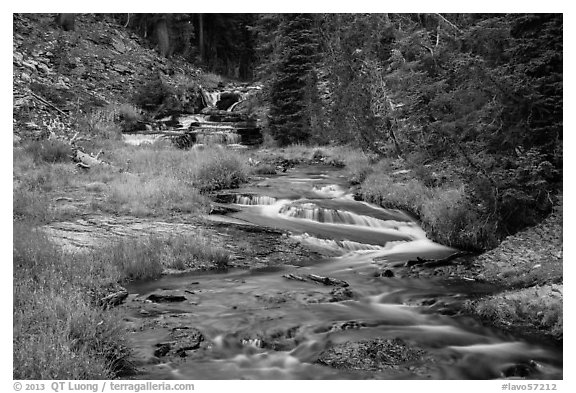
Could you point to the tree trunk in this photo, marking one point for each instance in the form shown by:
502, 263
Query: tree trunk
201, 37
65, 21
163, 37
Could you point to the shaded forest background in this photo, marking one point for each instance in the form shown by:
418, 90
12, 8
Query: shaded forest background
469, 101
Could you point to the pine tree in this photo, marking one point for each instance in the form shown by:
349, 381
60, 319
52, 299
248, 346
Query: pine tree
293, 83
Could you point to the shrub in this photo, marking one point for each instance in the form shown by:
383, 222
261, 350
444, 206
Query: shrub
217, 170
449, 218
211, 81
129, 117
49, 150
101, 122
160, 97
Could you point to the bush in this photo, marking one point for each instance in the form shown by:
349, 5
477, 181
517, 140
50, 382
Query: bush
101, 122
129, 117
449, 218
161, 98
49, 150
217, 170
446, 213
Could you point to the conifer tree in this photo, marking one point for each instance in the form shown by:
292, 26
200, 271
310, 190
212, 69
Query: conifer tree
293, 83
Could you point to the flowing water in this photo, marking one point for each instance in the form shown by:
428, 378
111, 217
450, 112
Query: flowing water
259, 324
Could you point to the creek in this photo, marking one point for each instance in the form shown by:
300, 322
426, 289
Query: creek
278, 323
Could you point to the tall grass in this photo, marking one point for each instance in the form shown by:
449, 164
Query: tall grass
148, 257
446, 214
142, 181
58, 332
152, 195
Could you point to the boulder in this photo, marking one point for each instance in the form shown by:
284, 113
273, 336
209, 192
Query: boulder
227, 99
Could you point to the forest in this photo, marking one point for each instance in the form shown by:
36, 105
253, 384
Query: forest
288, 196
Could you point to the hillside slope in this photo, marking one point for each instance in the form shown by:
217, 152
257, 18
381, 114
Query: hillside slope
59, 76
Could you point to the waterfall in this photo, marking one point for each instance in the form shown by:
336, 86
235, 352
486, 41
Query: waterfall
220, 137
255, 200
210, 98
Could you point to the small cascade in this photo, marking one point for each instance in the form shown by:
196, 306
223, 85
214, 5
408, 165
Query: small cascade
210, 98
343, 245
255, 200
233, 106
221, 121
217, 137
311, 211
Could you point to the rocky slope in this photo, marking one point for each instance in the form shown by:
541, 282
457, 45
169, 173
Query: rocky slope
60, 75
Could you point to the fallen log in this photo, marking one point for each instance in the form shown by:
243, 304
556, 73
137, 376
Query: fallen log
85, 160
436, 262
327, 280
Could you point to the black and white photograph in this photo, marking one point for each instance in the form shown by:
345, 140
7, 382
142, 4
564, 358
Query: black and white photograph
286, 196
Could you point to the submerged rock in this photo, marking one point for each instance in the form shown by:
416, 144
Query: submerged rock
166, 298
187, 339
378, 354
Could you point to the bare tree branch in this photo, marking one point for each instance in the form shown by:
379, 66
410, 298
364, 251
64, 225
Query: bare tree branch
449, 23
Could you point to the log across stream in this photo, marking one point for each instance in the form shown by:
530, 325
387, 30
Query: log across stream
331, 318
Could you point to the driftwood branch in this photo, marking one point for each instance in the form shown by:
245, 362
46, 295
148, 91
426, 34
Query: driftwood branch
317, 278
327, 280
87, 161
436, 262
